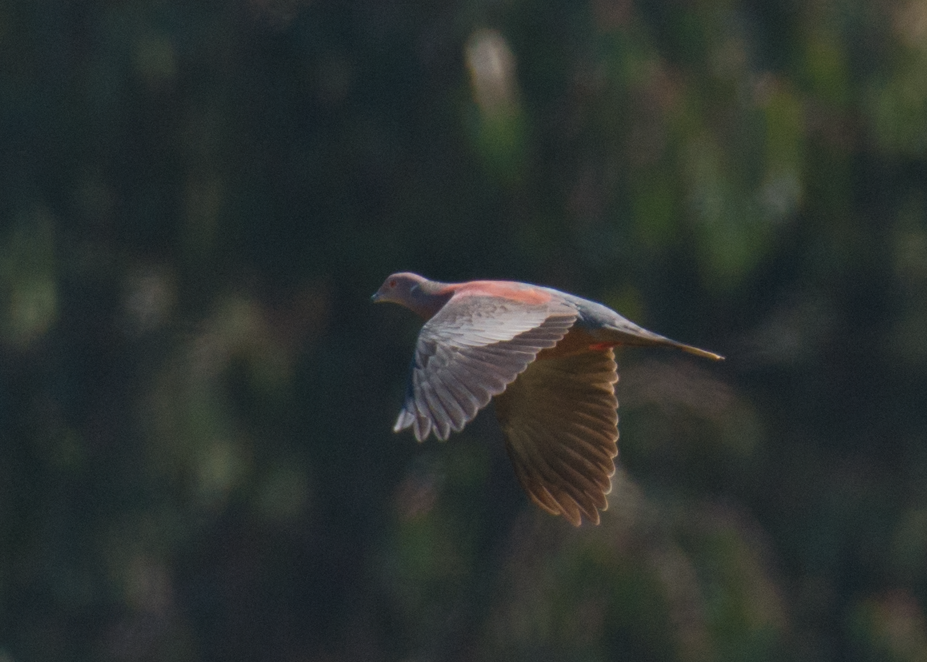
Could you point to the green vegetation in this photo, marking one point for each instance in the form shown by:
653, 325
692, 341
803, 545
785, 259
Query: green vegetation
196, 396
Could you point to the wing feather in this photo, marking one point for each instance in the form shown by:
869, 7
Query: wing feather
470, 351
561, 429
566, 500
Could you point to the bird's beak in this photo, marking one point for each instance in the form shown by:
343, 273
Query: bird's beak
376, 297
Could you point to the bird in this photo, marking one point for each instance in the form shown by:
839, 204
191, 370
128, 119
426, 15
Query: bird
547, 357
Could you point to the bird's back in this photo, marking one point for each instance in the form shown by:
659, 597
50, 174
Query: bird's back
597, 324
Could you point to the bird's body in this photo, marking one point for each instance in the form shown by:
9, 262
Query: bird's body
547, 357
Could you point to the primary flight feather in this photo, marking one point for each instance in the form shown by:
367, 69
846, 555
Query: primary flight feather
547, 358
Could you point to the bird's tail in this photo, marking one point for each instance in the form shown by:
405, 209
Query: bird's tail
631, 334
704, 353
624, 332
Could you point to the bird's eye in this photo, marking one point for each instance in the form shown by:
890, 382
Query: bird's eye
392, 283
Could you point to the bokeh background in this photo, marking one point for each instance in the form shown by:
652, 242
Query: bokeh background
197, 200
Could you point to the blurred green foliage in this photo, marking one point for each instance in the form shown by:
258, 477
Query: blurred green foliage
196, 397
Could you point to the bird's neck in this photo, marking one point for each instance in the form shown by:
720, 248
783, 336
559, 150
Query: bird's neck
430, 297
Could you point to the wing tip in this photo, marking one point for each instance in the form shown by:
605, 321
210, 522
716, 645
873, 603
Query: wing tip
422, 426
571, 509
576, 517
404, 421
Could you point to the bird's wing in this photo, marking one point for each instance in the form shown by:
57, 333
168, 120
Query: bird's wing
560, 422
470, 351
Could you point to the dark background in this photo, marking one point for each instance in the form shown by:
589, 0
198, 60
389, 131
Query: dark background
197, 200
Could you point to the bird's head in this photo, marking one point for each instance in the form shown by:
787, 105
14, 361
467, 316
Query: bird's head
416, 293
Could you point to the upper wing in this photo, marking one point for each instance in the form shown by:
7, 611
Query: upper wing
470, 351
561, 431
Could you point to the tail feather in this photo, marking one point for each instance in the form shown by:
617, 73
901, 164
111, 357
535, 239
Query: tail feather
631, 334
704, 353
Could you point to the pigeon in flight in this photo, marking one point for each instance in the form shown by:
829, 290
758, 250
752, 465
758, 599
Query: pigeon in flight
546, 356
